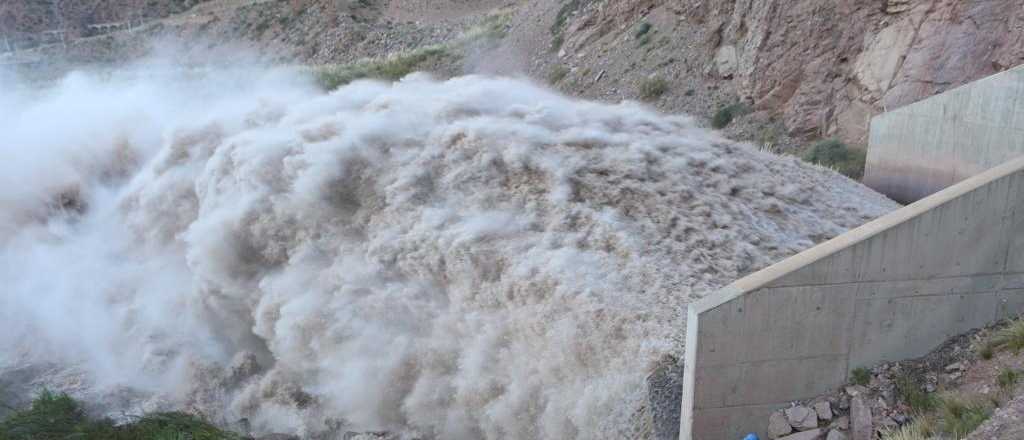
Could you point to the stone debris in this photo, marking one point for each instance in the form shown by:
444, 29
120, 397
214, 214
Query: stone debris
858, 412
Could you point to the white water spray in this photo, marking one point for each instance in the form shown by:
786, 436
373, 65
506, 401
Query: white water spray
473, 258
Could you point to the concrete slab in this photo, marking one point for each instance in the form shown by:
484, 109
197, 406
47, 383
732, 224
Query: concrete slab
892, 289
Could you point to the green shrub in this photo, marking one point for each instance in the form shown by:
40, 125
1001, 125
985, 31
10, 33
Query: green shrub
642, 30
557, 74
986, 351
59, 417
959, 416
1008, 377
836, 155
725, 115
653, 88
860, 376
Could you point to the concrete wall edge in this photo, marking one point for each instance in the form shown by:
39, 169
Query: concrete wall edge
778, 270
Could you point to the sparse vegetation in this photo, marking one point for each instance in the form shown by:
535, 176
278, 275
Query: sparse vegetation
653, 88
642, 34
1007, 378
58, 417
557, 74
392, 68
959, 416
558, 27
768, 137
836, 155
725, 115
954, 417
922, 428
397, 66
860, 376
642, 30
910, 392
986, 351
1010, 338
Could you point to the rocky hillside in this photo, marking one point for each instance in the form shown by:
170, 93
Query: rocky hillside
791, 70
26, 23
820, 67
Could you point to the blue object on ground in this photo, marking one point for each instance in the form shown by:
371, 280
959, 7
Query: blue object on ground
751, 437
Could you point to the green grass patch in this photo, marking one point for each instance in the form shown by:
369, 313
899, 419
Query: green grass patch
922, 428
838, 156
652, 88
725, 115
960, 416
398, 65
1008, 377
913, 395
59, 417
392, 68
860, 376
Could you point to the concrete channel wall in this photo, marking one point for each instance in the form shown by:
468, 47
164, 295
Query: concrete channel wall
892, 289
924, 147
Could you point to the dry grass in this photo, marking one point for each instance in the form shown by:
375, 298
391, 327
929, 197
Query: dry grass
1010, 338
653, 88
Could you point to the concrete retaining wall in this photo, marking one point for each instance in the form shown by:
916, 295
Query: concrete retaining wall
892, 289
919, 149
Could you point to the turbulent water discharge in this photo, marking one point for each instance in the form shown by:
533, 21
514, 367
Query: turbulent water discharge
476, 258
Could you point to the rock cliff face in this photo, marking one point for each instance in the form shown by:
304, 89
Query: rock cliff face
827, 66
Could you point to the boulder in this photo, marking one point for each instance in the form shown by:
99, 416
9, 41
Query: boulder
814, 434
835, 435
778, 426
842, 423
860, 418
802, 418
856, 390
824, 410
